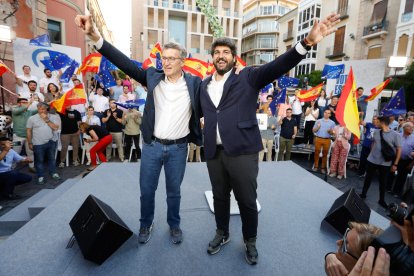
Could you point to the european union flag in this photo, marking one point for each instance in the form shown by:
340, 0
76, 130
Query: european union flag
266, 88
59, 60
41, 40
139, 64
132, 104
65, 77
396, 106
158, 61
332, 71
284, 82
104, 74
97, 78
279, 99
47, 62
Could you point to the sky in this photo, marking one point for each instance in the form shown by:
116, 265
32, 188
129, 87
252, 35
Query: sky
117, 15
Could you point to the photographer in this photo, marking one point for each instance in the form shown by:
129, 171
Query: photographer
9, 177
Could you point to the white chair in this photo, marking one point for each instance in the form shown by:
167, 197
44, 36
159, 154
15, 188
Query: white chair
59, 148
83, 147
276, 145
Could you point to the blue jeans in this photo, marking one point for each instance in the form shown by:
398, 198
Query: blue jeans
153, 157
40, 152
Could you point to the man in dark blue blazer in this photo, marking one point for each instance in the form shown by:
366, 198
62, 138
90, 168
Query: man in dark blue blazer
170, 120
231, 133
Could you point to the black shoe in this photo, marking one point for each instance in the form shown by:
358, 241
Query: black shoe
176, 235
363, 196
251, 251
382, 203
145, 234
219, 240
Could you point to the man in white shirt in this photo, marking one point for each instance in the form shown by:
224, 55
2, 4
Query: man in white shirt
23, 80
48, 78
117, 90
32, 96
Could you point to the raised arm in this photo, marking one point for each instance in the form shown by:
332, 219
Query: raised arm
84, 22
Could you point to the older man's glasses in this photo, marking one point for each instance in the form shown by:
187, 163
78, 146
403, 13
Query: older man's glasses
344, 248
170, 59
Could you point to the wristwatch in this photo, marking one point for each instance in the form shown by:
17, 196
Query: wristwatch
305, 45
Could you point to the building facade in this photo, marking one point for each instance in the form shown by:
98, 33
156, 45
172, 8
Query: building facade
288, 27
261, 32
183, 22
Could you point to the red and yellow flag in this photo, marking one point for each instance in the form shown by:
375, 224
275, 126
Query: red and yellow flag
240, 63
347, 111
377, 90
210, 68
3, 68
74, 96
195, 67
147, 64
311, 94
156, 49
91, 63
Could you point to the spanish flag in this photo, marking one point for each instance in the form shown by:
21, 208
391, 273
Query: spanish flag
3, 68
210, 68
377, 90
74, 96
311, 94
156, 49
91, 63
347, 110
147, 64
240, 63
195, 67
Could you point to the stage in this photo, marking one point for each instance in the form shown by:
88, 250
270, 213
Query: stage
290, 239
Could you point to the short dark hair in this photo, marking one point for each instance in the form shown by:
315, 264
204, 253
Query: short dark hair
224, 41
46, 69
384, 119
76, 80
112, 100
89, 107
289, 109
21, 99
25, 66
5, 138
360, 88
269, 96
31, 81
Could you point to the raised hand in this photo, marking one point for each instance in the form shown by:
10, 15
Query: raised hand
322, 28
84, 22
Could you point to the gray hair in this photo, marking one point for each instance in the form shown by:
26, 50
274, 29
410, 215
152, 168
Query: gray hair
176, 46
407, 124
42, 104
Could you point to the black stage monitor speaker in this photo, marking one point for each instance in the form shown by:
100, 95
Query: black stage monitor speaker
98, 230
348, 207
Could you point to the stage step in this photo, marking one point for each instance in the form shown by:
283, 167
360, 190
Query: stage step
18, 216
36, 207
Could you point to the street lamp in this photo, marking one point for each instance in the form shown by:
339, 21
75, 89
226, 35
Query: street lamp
5, 37
397, 63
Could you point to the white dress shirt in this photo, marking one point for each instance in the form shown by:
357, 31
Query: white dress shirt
100, 103
215, 91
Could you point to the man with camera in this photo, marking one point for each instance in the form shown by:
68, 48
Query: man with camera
9, 177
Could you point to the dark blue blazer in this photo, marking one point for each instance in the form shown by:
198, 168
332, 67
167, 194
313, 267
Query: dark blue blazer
150, 78
236, 112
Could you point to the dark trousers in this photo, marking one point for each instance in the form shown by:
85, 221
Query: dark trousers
383, 172
401, 176
12, 178
308, 133
297, 118
128, 144
237, 173
363, 159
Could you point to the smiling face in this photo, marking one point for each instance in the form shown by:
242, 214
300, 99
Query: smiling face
223, 59
172, 62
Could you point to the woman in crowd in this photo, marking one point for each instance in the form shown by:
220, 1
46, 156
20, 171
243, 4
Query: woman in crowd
311, 115
339, 151
356, 240
91, 119
100, 135
323, 102
53, 93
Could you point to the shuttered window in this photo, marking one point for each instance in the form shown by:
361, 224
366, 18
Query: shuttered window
379, 12
339, 41
374, 53
402, 45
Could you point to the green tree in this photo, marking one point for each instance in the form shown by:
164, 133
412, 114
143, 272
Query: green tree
314, 78
406, 81
212, 18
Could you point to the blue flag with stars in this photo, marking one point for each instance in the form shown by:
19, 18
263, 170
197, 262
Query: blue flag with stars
332, 71
47, 62
104, 74
139, 64
158, 61
132, 104
65, 77
396, 106
266, 88
41, 40
59, 60
284, 82
280, 99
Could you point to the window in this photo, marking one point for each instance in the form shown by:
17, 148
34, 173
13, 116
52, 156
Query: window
402, 45
408, 6
307, 16
374, 53
339, 41
342, 7
55, 31
379, 12
177, 29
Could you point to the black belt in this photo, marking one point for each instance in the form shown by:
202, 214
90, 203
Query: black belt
170, 142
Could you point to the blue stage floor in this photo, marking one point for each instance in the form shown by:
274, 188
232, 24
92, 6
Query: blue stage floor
290, 241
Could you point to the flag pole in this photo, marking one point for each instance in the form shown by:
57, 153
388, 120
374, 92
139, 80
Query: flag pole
393, 85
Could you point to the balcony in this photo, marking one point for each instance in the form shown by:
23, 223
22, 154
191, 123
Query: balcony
406, 17
376, 30
178, 6
268, 27
335, 52
288, 36
343, 12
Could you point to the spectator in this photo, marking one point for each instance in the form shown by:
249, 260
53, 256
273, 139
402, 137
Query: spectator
117, 90
393, 123
268, 136
376, 159
140, 93
20, 115
311, 115
355, 241
70, 135
52, 94
401, 121
113, 121
332, 107
132, 121
10, 177
125, 96
283, 107
369, 129
296, 108
340, 150
264, 107
47, 79
361, 103
99, 102
127, 82
323, 102
23, 81
322, 130
82, 106
32, 95
42, 139
288, 133
102, 138
91, 119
